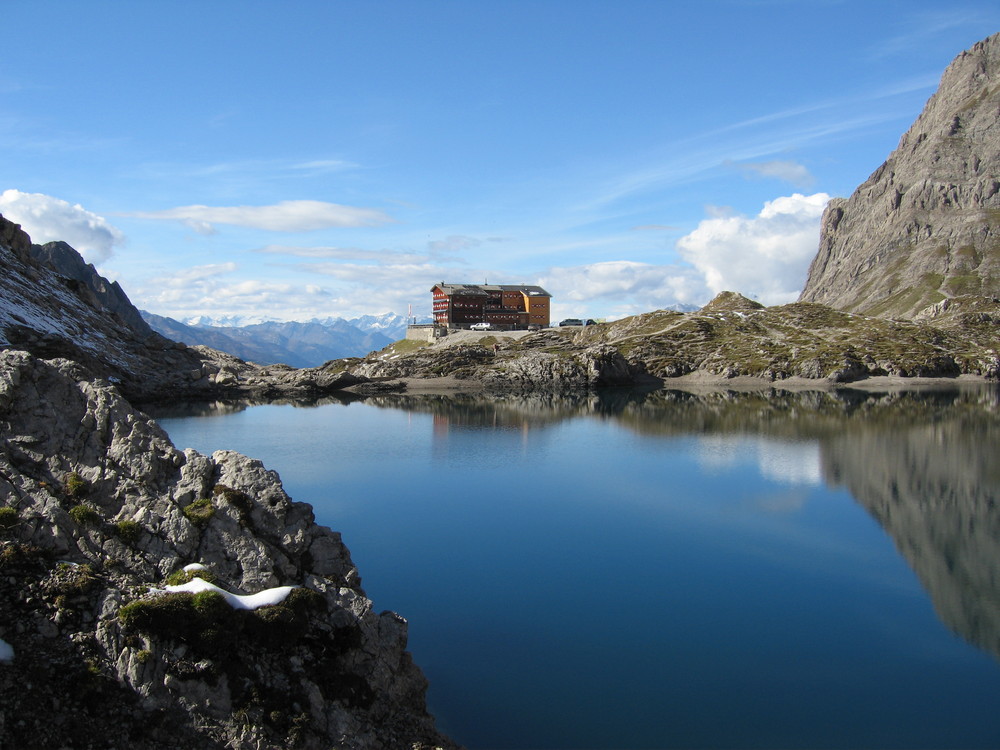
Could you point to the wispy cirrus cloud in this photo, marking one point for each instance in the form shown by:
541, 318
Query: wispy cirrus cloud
343, 253
286, 216
761, 140
916, 30
778, 169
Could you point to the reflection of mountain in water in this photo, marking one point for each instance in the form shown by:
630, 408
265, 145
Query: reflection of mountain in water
922, 463
934, 487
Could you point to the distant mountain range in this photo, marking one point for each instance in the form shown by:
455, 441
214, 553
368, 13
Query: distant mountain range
296, 343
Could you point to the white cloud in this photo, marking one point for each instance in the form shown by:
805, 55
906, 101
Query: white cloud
204, 290
789, 171
286, 216
777, 460
765, 256
454, 243
197, 273
632, 287
343, 253
48, 219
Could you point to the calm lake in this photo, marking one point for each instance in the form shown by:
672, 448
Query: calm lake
667, 569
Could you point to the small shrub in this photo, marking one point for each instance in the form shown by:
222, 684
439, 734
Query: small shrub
180, 577
199, 512
144, 656
85, 514
75, 485
71, 581
8, 517
20, 556
128, 531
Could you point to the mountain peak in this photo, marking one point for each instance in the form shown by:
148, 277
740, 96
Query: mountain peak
925, 226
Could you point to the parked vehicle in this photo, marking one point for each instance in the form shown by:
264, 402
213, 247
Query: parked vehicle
571, 322
484, 326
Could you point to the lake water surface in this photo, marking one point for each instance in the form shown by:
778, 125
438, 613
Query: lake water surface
667, 569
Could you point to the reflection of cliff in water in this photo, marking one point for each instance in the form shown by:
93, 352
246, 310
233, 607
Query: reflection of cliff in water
934, 487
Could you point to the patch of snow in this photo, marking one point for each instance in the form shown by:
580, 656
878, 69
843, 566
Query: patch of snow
194, 566
263, 598
6, 651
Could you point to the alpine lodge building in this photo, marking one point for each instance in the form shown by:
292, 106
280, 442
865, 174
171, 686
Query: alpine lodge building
503, 306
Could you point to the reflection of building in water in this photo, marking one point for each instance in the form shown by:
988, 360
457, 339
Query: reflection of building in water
516, 432
935, 487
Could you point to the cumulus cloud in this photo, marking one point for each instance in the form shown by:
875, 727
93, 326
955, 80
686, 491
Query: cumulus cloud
48, 219
789, 171
764, 256
631, 287
286, 216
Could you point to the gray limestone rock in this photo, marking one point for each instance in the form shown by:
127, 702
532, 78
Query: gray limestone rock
925, 226
99, 508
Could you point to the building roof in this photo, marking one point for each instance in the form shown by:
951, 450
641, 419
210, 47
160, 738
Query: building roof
481, 289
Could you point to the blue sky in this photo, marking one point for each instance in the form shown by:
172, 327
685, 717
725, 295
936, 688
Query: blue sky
306, 159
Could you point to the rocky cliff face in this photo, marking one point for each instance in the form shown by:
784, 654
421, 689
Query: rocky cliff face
97, 510
925, 227
68, 263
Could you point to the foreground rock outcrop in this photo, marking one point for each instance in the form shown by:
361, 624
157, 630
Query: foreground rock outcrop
97, 511
925, 227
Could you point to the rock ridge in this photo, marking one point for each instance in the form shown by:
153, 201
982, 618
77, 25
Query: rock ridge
55, 305
730, 337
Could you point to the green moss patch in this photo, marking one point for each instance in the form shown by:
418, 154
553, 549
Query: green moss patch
207, 623
75, 485
8, 518
85, 514
199, 512
128, 531
180, 577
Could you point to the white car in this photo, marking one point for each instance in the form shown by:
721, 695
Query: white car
481, 327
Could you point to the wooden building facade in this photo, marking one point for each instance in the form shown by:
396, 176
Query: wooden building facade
503, 306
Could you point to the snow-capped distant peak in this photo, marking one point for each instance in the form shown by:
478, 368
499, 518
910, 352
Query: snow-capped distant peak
228, 321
